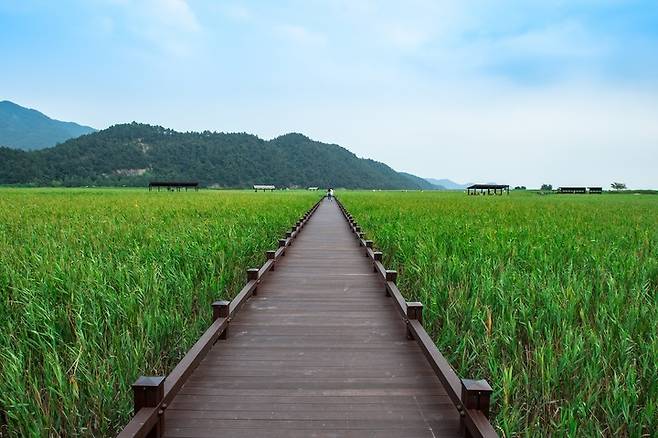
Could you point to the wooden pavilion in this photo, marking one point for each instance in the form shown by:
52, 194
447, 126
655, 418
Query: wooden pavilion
174, 185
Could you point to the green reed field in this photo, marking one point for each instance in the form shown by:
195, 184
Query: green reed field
99, 286
553, 299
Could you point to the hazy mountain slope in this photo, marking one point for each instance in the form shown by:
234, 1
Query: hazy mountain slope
29, 129
447, 184
424, 183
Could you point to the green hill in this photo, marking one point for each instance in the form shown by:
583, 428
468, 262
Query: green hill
29, 129
133, 154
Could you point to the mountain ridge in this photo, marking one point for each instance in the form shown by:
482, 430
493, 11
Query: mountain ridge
133, 154
29, 129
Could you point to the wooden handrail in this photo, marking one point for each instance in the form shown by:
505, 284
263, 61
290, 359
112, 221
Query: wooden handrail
442, 368
141, 424
478, 424
148, 421
182, 371
242, 296
401, 303
475, 421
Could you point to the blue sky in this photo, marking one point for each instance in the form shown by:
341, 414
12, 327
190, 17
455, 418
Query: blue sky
518, 92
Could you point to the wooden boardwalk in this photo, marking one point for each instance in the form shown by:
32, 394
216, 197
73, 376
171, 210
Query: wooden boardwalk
319, 351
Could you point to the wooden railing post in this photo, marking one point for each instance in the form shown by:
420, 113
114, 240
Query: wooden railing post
252, 274
391, 276
377, 257
476, 394
148, 392
368, 245
270, 256
414, 311
282, 243
220, 309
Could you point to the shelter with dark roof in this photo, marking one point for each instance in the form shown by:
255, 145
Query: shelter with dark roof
581, 190
174, 185
489, 189
572, 190
264, 187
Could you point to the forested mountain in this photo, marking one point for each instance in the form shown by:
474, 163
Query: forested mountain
28, 129
133, 154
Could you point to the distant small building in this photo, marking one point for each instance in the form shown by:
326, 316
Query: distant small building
264, 187
572, 190
174, 185
580, 190
489, 189
313, 189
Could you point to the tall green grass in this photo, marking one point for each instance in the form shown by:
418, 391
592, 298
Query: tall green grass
553, 299
100, 286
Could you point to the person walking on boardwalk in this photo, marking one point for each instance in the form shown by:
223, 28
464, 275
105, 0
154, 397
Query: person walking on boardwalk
330, 194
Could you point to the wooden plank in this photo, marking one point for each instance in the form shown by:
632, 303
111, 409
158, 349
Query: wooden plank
328, 402
311, 413
272, 431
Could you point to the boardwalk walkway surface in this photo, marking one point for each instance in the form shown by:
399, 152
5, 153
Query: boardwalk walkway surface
319, 351
319, 343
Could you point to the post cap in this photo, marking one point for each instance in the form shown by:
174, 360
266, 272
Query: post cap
252, 274
480, 386
415, 310
148, 381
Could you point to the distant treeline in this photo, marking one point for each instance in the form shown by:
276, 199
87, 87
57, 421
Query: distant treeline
134, 154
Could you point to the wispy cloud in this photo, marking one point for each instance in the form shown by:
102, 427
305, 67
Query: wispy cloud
237, 11
169, 25
563, 39
301, 35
